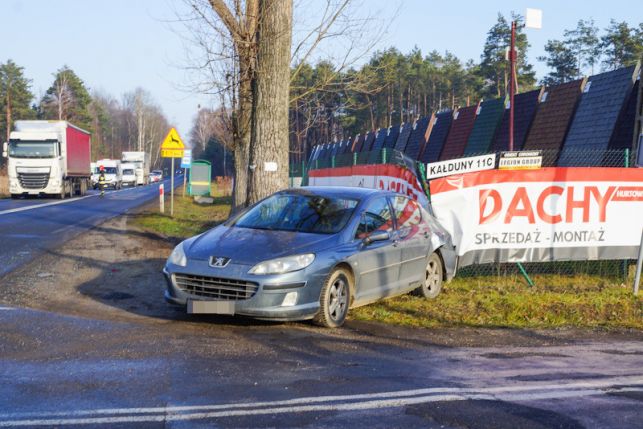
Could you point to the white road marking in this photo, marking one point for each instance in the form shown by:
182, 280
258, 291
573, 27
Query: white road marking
329, 403
37, 206
54, 203
6, 308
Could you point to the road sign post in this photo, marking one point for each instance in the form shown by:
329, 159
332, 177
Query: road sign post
186, 162
172, 147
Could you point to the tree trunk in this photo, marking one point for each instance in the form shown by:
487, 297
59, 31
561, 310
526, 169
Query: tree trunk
269, 130
8, 108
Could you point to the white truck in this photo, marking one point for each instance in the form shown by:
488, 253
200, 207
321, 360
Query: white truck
113, 173
142, 162
129, 174
48, 158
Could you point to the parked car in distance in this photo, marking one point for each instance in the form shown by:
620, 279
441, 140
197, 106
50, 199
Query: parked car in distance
156, 176
312, 253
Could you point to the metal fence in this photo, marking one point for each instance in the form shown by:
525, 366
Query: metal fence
592, 273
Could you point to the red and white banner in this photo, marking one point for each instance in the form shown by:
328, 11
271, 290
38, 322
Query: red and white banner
389, 177
542, 215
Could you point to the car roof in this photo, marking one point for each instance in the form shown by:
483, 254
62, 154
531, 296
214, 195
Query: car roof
338, 191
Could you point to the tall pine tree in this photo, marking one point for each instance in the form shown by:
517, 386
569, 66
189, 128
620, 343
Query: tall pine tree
15, 96
622, 45
494, 66
562, 60
67, 99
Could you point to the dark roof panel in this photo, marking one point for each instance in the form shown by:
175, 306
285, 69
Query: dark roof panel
378, 144
623, 137
391, 138
403, 138
524, 111
368, 141
599, 107
488, 118
417, 139
358, 142
463, 120
555, 110
439, 132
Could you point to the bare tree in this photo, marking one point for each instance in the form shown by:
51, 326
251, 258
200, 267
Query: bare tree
227, 35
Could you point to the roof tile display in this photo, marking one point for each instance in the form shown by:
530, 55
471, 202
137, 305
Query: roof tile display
439, 132
524, 111
556, 108
623, 137
456, 141
488, 119
403, 138
417, 139
391, 138
378, 144
368, 141
599, 107
358, 142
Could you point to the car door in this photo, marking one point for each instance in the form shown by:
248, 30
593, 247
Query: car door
378, 262
414, 238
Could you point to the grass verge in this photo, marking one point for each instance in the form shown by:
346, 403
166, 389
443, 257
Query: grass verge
189, 218
556, 301
4, 185
485, 301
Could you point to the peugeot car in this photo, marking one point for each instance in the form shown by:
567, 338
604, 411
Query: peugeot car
312, 253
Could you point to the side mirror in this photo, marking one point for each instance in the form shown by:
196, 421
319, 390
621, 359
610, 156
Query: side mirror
4, 149
377, 236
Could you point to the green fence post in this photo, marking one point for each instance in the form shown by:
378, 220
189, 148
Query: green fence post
332, 162
354, 158
626, 163
524, 274
384, 156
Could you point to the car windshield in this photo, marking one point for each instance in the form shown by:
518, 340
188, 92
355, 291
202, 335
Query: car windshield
300, 213
128, 172
32, 149
110, 170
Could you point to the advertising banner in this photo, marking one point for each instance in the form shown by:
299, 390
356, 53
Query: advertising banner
542, 215
389, 177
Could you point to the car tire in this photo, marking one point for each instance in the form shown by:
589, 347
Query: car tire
334, 299
433, 278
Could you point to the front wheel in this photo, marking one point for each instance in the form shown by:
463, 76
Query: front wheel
334, 299
433, 276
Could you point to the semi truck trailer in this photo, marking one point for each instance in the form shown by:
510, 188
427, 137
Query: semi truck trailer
142, 162
48, 158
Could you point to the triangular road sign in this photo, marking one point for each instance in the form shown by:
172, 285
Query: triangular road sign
172, 140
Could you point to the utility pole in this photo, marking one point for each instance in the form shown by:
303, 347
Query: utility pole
512, 84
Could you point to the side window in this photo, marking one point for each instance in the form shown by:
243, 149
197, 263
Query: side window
376, 217
407, 212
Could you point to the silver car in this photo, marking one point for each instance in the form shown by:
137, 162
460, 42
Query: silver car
312, 253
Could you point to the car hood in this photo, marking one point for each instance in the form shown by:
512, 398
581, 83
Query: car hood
251, 246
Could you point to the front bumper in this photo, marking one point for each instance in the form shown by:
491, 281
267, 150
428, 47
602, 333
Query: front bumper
268, 300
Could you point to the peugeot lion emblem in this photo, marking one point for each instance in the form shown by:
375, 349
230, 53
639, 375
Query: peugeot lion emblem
219, 262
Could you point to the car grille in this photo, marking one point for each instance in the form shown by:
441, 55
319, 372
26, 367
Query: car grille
33, 180
215, 287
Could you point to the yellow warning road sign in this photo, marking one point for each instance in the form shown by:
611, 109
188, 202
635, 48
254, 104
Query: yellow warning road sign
172, 146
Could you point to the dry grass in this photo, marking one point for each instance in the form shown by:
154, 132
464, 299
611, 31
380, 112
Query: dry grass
4, 185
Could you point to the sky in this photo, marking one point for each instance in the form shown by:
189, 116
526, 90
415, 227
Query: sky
118, 45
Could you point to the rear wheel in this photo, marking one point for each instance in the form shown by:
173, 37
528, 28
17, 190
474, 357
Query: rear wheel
334, 299
433, 276
15, 196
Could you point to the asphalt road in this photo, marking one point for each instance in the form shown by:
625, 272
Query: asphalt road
30, 226
61, 371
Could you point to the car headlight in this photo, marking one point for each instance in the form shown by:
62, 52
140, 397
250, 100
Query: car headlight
177, 257
283, 265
